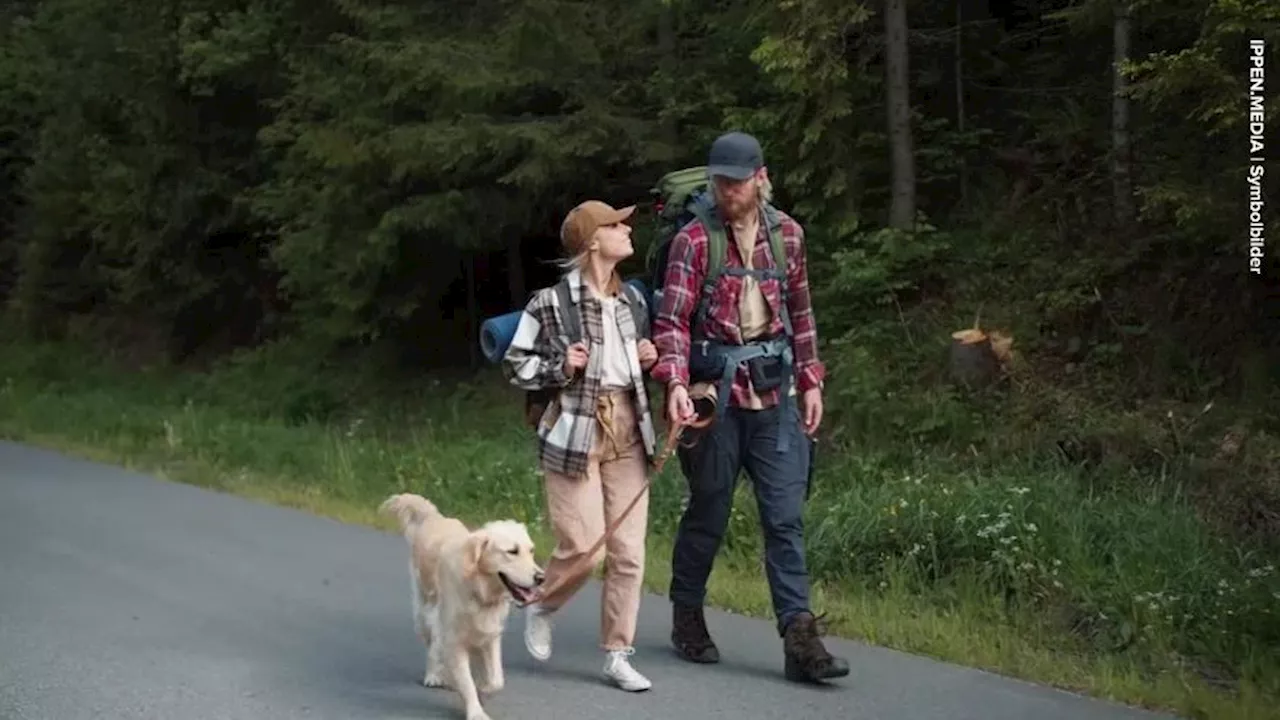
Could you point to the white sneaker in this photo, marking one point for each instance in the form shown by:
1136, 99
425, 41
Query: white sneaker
618, 669
537, 632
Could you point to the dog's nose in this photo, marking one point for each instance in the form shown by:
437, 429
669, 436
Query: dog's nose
538, 577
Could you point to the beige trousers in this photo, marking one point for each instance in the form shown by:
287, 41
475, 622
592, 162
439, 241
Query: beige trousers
579, 509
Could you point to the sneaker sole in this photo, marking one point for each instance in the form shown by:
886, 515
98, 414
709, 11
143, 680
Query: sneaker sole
707, 657
795, 674
629, 688
536, 655
539, 655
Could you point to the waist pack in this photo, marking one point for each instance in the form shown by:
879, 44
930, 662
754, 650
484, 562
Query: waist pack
767, 362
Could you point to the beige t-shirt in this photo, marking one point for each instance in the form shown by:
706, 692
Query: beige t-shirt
754, 313
753, 310
614, 366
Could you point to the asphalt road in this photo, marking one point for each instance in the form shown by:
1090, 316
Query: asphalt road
123, 596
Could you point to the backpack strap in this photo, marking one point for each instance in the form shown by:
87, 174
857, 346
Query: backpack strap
778, 249
703, 209
570, 314
639, 310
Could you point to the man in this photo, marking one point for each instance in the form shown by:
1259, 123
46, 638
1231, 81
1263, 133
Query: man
759, 429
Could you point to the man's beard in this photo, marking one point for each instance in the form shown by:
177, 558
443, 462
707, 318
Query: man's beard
736, 209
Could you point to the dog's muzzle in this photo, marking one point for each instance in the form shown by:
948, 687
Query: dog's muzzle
521, 595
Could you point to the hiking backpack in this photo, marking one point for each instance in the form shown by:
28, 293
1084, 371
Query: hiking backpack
537, 401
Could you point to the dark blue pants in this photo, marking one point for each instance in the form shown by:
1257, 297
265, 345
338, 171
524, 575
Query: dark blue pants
744, 440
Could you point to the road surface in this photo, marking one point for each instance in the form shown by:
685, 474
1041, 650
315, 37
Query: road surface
123, 596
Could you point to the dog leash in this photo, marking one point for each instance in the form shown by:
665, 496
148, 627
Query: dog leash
584, 564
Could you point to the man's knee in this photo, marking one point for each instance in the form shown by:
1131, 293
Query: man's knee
709, 513
781, 494
783, 518
710, 495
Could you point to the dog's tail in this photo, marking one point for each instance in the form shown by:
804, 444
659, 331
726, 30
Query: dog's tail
410, 509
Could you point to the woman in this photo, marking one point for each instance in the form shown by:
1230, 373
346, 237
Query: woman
596, 438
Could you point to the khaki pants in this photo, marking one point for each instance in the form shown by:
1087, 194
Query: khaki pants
579, 509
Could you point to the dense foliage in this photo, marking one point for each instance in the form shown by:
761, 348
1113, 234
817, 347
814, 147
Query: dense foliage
337, 166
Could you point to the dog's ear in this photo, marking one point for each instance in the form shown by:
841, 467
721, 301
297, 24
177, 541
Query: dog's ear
473, 552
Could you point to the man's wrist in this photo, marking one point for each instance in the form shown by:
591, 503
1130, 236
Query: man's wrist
807, 382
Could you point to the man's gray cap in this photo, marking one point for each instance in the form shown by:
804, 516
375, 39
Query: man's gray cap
735, 155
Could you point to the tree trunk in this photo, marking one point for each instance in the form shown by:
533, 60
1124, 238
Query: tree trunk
959, 62
1121, 171
902, 212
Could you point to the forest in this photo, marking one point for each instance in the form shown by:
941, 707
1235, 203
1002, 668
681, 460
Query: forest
252, 242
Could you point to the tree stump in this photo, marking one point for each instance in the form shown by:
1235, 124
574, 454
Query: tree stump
978, 358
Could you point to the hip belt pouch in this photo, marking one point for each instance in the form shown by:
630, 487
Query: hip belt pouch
766, 372
706, 363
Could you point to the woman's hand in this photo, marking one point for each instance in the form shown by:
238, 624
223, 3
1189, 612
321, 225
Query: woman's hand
576, 358
648, 353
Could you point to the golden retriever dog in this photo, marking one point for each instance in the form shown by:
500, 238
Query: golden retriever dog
462, 581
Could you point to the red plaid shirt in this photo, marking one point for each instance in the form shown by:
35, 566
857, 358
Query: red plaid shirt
686, 269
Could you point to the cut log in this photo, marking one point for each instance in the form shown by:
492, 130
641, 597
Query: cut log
974, 361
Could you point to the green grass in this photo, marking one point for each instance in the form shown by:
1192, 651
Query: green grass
1023, 566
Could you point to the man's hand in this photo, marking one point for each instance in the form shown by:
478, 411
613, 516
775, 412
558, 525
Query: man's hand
812, 402
576, 358
648, 353
679, 406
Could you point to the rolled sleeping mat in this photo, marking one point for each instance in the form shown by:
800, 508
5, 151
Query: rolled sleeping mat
496, 333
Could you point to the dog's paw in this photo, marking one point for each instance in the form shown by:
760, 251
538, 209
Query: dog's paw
434, 680
492, 686
478, 715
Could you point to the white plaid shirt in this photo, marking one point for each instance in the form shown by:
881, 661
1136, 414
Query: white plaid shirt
535, 360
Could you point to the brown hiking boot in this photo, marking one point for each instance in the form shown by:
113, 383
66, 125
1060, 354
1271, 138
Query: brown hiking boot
690, 637
807, 659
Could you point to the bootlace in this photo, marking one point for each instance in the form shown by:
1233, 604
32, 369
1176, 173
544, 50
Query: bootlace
694, 624
806, 639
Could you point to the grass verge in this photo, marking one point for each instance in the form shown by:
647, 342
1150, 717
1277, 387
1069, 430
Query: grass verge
1028, 571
